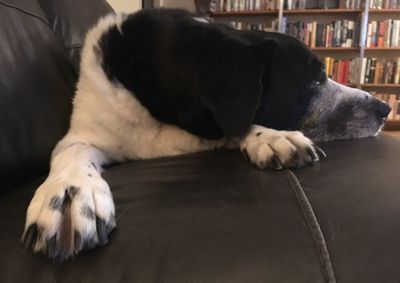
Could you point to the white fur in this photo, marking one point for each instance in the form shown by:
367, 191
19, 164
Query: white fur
261, 144
109, 124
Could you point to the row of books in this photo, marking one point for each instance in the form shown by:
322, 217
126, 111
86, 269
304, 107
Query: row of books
322, 4
341, 71
343, 4
243, 5
341, 33
380, 71
351, 4
383, 34
384, 4
272, 26
261, 5
394, 102
364, 71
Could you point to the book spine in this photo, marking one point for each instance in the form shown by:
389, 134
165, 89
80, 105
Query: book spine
363, 66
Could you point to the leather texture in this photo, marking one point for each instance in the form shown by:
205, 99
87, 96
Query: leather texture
39, 48
356, 196
211, 217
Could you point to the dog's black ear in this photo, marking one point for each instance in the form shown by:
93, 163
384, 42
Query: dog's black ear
232, 82
288, 85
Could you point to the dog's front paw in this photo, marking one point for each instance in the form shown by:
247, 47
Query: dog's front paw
268, 148
69, 213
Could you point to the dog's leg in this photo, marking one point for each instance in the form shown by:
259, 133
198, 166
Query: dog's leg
73, 209
268, 148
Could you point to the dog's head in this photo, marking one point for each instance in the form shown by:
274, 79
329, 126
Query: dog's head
298, 95
339, 112
291, 90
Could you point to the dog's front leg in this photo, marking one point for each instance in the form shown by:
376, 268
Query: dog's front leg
73, 209
269, 148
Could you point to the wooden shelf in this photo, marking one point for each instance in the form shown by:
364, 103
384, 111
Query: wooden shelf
323, 11
382, 49
392, 125
381, 85
335, 48
244, 13
355, 48
377, 11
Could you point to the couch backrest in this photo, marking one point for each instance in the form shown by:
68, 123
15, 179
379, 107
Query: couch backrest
40, 42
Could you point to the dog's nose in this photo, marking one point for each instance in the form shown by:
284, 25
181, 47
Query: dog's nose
382, 109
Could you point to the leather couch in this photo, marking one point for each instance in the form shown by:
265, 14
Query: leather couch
206, 217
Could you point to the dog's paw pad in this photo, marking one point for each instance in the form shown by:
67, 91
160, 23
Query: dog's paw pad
268, 148
62, 220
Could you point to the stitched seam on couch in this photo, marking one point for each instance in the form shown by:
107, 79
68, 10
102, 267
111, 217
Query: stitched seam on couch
315, 229
25, 12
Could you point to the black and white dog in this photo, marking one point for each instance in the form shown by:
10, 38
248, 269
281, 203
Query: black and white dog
163, 83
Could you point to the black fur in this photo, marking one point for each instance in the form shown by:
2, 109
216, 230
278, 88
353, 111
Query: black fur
88, 212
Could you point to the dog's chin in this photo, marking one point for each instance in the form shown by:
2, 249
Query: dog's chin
350, 132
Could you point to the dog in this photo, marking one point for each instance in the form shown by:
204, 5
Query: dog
163, 82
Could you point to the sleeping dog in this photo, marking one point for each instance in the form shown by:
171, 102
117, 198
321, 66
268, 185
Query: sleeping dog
163, 83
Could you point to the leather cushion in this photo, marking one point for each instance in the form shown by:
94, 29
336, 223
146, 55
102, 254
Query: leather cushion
211, 217
356, 197
207, 217
70, 20
36, 87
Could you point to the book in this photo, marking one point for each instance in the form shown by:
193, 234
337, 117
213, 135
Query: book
363, 71
244, 5
243, 25
383, 33
340, 33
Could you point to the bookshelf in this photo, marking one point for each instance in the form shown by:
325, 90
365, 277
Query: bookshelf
359, 50
321, 11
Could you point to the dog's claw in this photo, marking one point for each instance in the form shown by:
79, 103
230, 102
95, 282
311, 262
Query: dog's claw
314, 157
246, 155
320, 152
277, 163
29, 238
101, 231
78, 241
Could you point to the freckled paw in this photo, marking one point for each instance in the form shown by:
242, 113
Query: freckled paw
62, 222
272, 149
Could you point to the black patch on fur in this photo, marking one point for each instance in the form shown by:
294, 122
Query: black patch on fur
56, 203
88, 212
204, 78
73, 191
259, 134
60, 203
